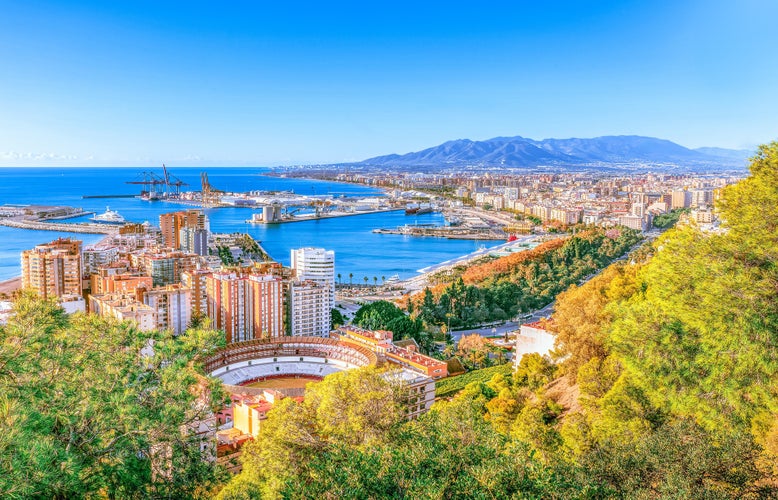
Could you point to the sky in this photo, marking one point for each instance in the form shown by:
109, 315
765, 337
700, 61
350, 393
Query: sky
284, 82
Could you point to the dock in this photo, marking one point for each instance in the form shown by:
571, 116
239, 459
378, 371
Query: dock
330, 215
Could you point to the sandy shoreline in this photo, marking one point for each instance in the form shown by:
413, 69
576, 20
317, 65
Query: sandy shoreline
11, 285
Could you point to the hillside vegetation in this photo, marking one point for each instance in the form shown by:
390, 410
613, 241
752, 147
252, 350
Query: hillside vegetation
500, 288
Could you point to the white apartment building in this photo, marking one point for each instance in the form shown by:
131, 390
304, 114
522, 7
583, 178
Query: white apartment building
315, 264
309, 309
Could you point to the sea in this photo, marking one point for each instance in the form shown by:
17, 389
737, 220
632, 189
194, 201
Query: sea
358, 251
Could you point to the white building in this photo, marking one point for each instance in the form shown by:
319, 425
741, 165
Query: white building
532, 338
315, 264
309, 309
96, 256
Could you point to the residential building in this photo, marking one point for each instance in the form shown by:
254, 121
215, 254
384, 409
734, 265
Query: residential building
96, 256
167, 267
194, 240
533, 338
245, 307
53, 269
172, 304
309, 309
194, 280
124, 307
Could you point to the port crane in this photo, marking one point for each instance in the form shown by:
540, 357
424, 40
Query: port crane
211, 195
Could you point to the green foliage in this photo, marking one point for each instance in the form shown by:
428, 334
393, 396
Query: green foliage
383, 315
336, 319
534, 371
670, 219
345, 412
681, 460
450, 386
83, 413
474, 351
377, 315
489, 292
702, 325
225, 255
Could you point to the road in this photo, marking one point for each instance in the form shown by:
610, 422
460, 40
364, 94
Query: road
507, 327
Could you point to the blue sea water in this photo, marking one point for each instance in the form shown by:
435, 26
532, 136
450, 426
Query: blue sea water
358, 250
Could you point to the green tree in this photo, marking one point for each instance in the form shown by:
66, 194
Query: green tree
351, 410
88, 408
336, 319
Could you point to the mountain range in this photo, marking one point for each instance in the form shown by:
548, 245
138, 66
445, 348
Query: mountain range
614, 151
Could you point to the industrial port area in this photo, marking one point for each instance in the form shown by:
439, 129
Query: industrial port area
263, 207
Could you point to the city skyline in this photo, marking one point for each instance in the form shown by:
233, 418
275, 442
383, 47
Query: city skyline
191, 83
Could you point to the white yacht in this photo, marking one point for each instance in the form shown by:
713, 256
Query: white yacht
109, 217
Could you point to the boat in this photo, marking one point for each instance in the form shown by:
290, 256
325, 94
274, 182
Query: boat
392, 279
411, 210
109, 217
424, 210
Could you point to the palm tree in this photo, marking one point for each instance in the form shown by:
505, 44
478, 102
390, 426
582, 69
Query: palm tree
350, 278
339, 279
366, 279
383, 280
375, 280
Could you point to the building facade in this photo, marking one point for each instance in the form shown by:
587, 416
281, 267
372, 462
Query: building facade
309, 309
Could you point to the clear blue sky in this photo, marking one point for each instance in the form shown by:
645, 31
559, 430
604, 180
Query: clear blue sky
283, 82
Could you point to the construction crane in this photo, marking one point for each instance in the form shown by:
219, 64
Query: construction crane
211, 195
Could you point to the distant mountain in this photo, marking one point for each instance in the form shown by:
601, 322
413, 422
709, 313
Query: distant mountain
599, 151
731, 154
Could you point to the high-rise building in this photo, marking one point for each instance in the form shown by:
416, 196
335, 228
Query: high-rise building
701, 197
195, 281
245, 307
267, 307
166, 268
316, 264
172, 223
309, 308
53, 269
172, 304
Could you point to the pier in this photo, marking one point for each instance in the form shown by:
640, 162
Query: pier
84, 227
92, 196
